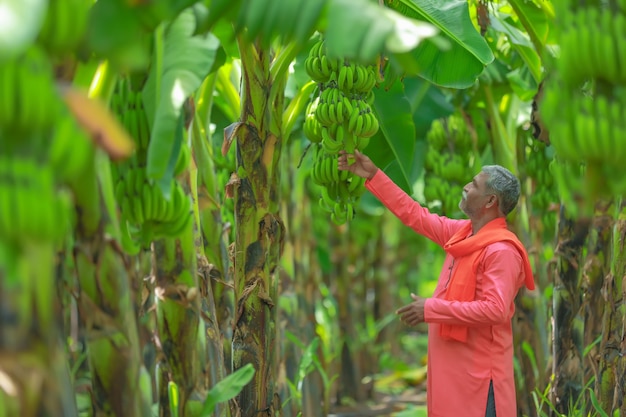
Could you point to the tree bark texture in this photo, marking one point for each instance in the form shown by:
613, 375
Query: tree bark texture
259, 232
213, 230
106, 309
611, 376
180, 333
596, 268
568, 324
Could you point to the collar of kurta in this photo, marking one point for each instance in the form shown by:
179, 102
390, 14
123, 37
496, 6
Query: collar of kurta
467, 253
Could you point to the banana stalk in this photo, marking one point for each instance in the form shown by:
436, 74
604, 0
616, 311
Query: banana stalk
611, 378
178, 318
215, 342
212, 225
106, 307
567, 300
34, 378
259, 231
596, 267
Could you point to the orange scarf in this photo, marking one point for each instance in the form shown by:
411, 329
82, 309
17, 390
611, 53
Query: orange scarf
467, 252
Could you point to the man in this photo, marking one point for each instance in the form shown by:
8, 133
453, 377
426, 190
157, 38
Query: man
470, 343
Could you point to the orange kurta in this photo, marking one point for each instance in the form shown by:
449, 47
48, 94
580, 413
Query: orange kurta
459, 372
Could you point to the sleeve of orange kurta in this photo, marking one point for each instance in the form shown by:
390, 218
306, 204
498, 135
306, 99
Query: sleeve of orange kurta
410, 212
502, 276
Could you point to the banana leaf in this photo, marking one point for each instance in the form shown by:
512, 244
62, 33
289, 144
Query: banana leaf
182, 63
467, 53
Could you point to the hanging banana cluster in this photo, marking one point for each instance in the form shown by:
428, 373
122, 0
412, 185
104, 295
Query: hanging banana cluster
31, 208
590, 129
141, 201
447, 163
340, 117
340, 189
584, 104
29, 102
544, 193
600, 32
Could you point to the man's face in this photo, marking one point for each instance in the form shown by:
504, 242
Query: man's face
476, 196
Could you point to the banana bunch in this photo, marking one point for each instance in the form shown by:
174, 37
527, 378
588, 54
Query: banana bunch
64, 26
333, 106
447, 163
344, 122
325, 170
339, 118
70, 149
585, 128
145, 207
312, 128
454, 168
592, 45
142, 204
443, 195
569, 178
544, 197
362, 121
29, 102
317, 64
356, 78
340, 190
343, 107
31, 208
584, 104
127, 103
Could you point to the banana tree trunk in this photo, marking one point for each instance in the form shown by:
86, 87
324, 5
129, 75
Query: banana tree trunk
213, 227
178, 317
259, 232
211, 340
120, 383
597, 267
611, 379
34, 377
568, 323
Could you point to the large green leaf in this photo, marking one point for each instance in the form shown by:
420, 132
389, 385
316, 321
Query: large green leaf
186, 61
211, 12
521, 43
428, 102
398, 134
116, 32
288, 20
461, 63
227, 388
362, 30
20, 22
537, 20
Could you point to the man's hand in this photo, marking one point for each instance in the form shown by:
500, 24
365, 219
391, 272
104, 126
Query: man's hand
359, 165
413, 314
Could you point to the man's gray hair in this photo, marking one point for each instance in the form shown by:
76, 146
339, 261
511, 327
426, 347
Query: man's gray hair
505, 185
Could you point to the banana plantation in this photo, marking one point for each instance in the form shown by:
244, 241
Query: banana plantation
176, 239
